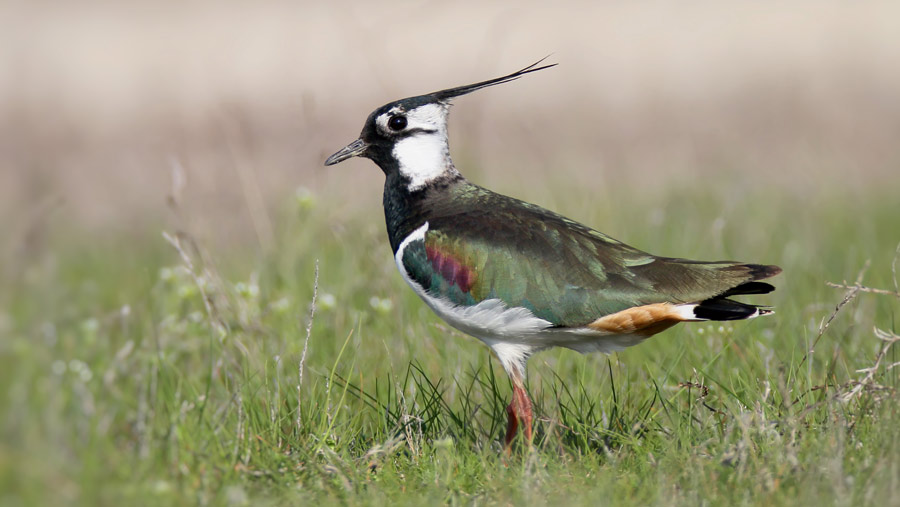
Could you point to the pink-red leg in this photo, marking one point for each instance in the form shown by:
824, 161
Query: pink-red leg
519, 409
512, 425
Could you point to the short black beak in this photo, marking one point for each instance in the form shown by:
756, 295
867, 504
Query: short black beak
354, 149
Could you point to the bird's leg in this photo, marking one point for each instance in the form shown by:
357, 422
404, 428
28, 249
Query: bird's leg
524, 410
512, 425
519, 409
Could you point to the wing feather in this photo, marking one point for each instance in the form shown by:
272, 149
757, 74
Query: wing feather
563, 271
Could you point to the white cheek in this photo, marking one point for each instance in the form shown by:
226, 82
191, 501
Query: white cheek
423, 158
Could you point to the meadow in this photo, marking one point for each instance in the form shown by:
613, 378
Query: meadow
163, 372
194, 311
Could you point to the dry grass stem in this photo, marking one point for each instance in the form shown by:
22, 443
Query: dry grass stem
208, 304
894, 269
863, 288
309, 324
852, 291
868, 381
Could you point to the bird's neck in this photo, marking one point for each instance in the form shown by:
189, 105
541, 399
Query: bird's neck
406, 208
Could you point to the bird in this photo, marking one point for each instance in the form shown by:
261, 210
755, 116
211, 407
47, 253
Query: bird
516, 276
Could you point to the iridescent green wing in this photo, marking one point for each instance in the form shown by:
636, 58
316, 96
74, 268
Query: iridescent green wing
562, 271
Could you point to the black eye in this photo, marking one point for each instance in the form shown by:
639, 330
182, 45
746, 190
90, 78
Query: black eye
397, 123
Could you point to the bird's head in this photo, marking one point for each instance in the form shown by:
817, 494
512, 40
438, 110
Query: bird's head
409, 136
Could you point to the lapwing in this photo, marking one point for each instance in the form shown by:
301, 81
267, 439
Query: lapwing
519, 277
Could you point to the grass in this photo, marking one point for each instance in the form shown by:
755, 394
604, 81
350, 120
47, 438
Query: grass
133, 372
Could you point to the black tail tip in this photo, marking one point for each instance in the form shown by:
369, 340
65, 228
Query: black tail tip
726, 309
748, 288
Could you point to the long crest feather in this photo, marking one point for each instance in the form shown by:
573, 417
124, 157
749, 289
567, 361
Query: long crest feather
446, 95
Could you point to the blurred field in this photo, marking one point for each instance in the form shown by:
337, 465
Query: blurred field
765, 133
99, 98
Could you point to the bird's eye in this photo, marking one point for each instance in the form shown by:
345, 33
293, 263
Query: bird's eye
397, 123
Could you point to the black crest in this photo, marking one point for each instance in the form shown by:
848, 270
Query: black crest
446, 95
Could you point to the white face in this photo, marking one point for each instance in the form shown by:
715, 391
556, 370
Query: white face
422, 151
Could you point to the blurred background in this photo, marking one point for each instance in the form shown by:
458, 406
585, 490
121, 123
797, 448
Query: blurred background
107, 108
